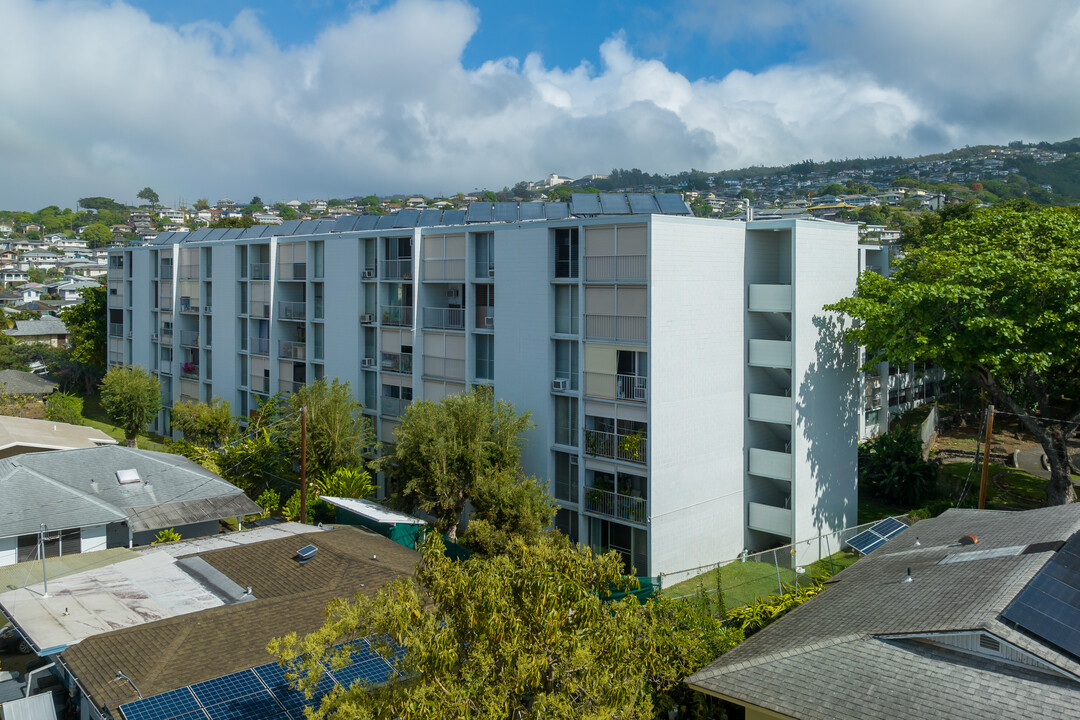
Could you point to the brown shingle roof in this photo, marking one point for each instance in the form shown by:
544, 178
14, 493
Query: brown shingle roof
290, 597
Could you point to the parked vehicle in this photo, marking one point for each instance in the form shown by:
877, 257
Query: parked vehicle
12, 641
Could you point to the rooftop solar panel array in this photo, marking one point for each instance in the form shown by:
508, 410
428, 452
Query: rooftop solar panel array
585, 204
261, 693
869, 540
1049, 605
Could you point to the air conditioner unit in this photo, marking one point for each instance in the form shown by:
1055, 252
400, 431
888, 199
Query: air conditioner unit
367, 317
559, 384
491, 272
368, 363
453, 293
489, 322
369, 273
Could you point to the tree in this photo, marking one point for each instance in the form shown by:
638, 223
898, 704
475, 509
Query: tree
234, 222
202, 204
443, 449
507, 505
893, 467
87, 331
701, 207
97, 235
148, 194
256, 200
61, 407
132, 397
993, 296
337, 429
526, 635
102, 204
202, 423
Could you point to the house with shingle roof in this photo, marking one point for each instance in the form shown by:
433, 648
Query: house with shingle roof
964, 637
49, 329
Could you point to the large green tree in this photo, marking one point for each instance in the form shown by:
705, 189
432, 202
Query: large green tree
97, 235
507, 505
148, 194
338, 432
444, 448
995, 296
132, 397
210, 423
520, 636
87, 328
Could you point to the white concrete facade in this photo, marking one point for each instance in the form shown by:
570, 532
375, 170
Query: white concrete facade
691, 398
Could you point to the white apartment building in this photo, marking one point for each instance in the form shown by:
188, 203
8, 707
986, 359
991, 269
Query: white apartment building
690, 396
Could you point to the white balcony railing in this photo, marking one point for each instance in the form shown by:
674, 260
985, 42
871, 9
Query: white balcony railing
628, 328
769, 463
624, 507
401, 315
770, 298
189, 338
444, 318
394, 407
770, 353
632, 387
770, 408
259, 346
292, 310
397, 269
770, 519
616, 268
631, 448
441, 367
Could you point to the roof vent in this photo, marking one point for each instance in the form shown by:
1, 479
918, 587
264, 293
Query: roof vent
306, 553
989, 643
127, 477
969, 539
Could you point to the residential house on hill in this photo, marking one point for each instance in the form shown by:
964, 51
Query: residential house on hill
26, 383
49, 330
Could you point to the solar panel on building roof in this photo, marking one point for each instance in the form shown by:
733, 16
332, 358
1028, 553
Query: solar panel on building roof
344, 223
479, 212
869, 540
161, 707
163, 238
531, 211
306, 227
286, 228
406, 218
506, 212
385, 222
585, 204
231, 233
273, 675
642, 203
197, 236
429, 217
366, 222
255, 231
453, 217
1049, 605
671, 204
556, 210
214, 234
325, 226
614, 204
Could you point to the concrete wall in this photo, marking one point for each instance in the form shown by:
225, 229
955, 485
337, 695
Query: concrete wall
93, 538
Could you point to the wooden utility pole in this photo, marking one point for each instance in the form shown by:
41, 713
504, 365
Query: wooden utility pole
986, 457
303, 464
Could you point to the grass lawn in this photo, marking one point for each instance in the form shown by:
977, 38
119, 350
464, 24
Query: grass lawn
1007, 489
94, 416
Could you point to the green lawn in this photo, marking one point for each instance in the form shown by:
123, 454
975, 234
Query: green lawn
94, 416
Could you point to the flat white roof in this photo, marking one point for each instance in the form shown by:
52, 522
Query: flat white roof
373, 511
228, 540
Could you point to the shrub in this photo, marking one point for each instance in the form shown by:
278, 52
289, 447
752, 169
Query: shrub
892, 467
65, 408
166, 536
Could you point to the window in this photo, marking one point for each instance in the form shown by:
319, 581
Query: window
566, 253
485, 254
566, 309
485, 357
566, 522
65, 542
566, 421
566, 477
566, 362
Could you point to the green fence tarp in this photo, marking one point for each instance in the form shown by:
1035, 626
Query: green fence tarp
403, 534
648, 586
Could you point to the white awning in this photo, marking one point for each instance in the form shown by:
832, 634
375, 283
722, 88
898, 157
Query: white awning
373, 511
35, 707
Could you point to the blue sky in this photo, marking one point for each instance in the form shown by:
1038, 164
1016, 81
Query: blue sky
300, 99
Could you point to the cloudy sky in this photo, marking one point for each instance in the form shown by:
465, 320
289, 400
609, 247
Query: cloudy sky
330, 98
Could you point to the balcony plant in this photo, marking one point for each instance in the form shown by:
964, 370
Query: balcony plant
189, 367
631, 447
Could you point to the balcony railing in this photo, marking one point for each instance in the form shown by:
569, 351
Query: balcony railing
189, 272
288, 387
443, 269
116, 300
770, 408
190, 371
190, 338
259, 346
292, 310
292, 271
166, 304
632, 387
260, 385
770, 519
444, 318
166, 269
166, 334
397, 269
397, 362
394, 407
116, 329
616, 268
401, 315
292, 350
259, 310
769, 463
770, 298
624, 507
260, 271
770, 353
631, 448
189, 305
629, 328
441, 367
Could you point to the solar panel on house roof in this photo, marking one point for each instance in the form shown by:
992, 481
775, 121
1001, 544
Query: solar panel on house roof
614, 204
255, 231
479, 212
1049, 605
344, 223
307, 552
160, 707
214, 234
671, 204
642, 203
869, 540
163, 238
198, 235
585, 204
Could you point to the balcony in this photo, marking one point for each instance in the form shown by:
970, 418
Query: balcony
397, 362
189, 272
397, 269
319, 311
116, 330
394, 407
259, 310
370, 272
288, 387
441, 367
770, 298
190, 371
770, 519
770, 408
259, 346
770, 353
627, 328
189, 338
165, 368
166, 269
260, 271
292, 350
292, 310
444, 269
296, 271
260, 385
629, 448
771, 464
166, 304
399, 315
632, 387
616, 268
623, 507
189, 305
444, 318
166, 335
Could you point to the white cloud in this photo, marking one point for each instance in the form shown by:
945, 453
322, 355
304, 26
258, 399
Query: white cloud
381, 102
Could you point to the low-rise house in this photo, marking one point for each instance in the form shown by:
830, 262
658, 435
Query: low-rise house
69, 287
108, 496
49, 330
13, 275
20, 382
974, 614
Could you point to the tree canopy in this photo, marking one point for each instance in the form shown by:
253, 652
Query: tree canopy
97, 235
525, 635
87, 331
211, 423
337, 430
148, 194
132, 397
993, 295
443, 450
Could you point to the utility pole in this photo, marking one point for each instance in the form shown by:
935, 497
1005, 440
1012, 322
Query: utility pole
44, 575
986, 457
303, 464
